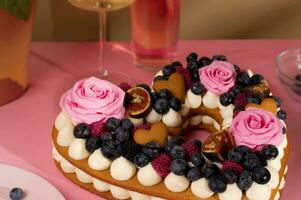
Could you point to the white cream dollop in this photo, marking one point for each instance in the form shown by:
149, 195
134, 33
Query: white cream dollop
207, 119
98, 162
67, 167
195, 120
282, 183
77, 149
153, 117
119, 193
258, 192
216, 125
122, 169
138, 196
232, 193
100, 185
156, 198
210, 100
65, 135
280, 152
56, 155
147, 176
275, 163
175, 183
136, 121
61, 120
201, 189
83, 176
277, 196
185, 108
172, 118
274, 181
194, 100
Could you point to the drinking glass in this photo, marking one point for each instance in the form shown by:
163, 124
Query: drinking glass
102, 6
155, 28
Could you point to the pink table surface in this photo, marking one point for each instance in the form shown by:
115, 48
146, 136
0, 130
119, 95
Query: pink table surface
26, 123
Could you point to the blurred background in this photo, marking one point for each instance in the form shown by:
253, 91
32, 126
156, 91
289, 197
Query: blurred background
58, 20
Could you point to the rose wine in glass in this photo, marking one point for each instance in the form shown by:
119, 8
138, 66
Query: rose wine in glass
155, 25
102, 6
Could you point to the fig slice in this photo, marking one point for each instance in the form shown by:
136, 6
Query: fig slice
139, 102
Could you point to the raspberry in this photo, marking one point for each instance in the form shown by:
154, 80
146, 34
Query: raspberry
162, 164
186, 75
190, 148
146, 126
97, 128
240, 100
130, 150
125, 86
229, 164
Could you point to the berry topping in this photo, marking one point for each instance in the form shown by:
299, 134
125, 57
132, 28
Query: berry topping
154, 97
253, 99
179, 167
193, 66
197, 160
197, 88
194, 174
186, 75
237, 69
127, 125
269, 152
141, 160
174, 141
230, 176
243, 149
251, 161
190, 148
161, 106
219, 57
130, 150
256, 79
244, 181
176, 64
144, 86
298, 77
284, 130
152, 149
192, 56
226, 99
106, 136
277, 100
177, 152
235, 155
168, 70
92, 144
111, 149
243, 79
210, 170
97, 128
139, 101
204, 61
231, 165
197, 142
160, 78
281, 115
195, 76
162, 164
16, 193
164, 94
240, 100
112, 124
81, 130
263, 161
261, 175
217, 184
175, 104
121, 134
125, 86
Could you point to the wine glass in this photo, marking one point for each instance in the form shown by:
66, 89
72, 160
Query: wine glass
102, 6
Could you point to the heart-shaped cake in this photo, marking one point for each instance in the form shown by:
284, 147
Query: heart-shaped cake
131, 142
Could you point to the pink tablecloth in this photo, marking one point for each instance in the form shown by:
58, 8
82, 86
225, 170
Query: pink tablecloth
25, 124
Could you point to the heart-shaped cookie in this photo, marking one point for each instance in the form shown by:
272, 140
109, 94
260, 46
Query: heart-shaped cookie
268, 104
157, 133
175, 84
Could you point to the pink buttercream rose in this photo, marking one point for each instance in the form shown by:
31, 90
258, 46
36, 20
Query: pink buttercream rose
93, 99
218, 77
255, 128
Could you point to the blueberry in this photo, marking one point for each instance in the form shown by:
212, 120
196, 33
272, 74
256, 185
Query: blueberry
161, 106
263, 161
193, 66
284, 130
226, 99
92, 144
197, 88
81, 130
243, 79
175, 104
152, 149
112, 124
168, 70
111, 149
235, 90
106, 136
194, 174
176, 64
237, 69
141, 160
281, 114
210, 170
126, 100
204, 61
298, 77
174, 141
251, 161
217, 184
219, 57
179, 167
192, 56
256, 79
235, 155
127, 125
164, 94
121, 134
130, 149
16, 194
197, 160
243, 149
177, 152
154, 97
244, 181
160, 78
269, 152
277, 100
261, 175
230, 176
144, 86
195, 76
255, 100
197, 142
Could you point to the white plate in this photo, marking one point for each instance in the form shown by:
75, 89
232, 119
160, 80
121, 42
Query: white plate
35, 187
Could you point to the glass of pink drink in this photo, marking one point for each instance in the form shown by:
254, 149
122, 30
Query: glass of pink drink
155, 28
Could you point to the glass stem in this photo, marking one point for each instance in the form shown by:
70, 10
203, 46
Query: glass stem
102, 41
